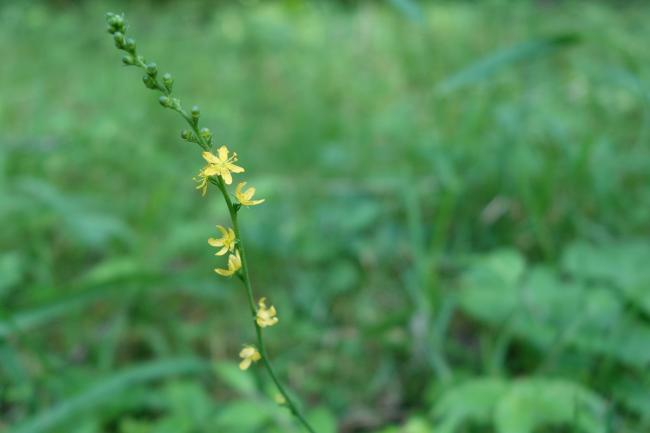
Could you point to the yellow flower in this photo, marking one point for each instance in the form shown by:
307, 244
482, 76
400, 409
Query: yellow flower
249, 354
245, 197
202, 180
221, 164
279, 399
265, 316
234, 265
226, 242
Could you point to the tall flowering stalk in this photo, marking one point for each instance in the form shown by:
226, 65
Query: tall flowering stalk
217, 171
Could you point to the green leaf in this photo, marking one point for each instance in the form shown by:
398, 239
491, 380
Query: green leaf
106, 390
242, 416
488, 66
532, 404
473, 401
322, 420
235, 378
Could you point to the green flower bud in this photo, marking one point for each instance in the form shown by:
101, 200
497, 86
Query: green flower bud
119, 40
128, 60
152, 69
115, 20
196, 112
115, 23
149, 82
166, 101
206, 134
129, 45
168, 81
187, 135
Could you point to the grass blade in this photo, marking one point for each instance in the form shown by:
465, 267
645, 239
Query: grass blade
488, 66
105, 391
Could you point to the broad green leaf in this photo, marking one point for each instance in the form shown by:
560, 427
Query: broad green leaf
473, 401
533, 404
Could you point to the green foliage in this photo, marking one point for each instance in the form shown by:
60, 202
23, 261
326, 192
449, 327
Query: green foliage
455, 229
521, 406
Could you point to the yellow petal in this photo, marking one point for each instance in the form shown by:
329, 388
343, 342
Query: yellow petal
222, 251
211, 170
225, 174
209, 157
245, 364
246, 352
223, 153
215, 242
249, 193
240, 185
235, 168
224, 272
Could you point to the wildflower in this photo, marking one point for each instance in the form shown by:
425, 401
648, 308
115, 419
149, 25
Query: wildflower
265, 316
221, 164
202, 181
249, 354
245, 197
226, 242
234, 265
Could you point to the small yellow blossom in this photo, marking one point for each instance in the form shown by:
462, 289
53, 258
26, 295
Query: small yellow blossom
202, 180
245, 197
222, 165
265, 316
234, 265
226, 242
279, 399
249, 354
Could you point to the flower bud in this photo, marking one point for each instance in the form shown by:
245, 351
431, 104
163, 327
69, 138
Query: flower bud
206, 134
152, 69
115, 23
115, 20
168, 81
149, 82
128, 60
129, 45
165, 101
187, 135
119, 40
196, 112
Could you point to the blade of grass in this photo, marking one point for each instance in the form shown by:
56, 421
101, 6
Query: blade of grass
493, 63
105, 390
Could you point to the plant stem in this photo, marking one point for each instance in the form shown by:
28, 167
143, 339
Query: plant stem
193, 123
251, 301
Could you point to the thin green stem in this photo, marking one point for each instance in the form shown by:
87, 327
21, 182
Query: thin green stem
251, 302
232, 210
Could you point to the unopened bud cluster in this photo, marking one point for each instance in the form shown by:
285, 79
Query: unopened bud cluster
151, 80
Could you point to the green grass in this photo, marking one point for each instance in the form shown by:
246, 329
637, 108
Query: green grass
456, 225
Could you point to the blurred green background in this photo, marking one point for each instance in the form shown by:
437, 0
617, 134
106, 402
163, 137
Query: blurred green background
455, 233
